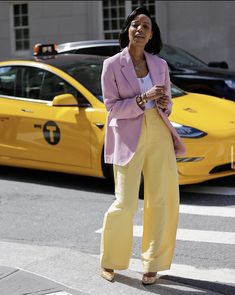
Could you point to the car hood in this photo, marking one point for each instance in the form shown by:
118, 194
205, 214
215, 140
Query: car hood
207, 71
204, 112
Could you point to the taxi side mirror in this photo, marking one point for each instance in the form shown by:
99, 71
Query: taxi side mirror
64, 100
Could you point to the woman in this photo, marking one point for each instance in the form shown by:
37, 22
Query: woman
139, 138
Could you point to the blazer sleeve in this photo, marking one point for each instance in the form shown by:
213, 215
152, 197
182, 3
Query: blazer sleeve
168, 90
118, 107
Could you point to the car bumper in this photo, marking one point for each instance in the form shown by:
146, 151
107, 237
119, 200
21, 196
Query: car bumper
207, 158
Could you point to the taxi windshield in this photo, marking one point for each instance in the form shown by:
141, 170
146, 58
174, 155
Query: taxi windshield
88, 72
176, 91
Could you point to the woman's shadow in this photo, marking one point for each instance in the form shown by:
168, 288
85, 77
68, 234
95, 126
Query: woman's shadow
169, 285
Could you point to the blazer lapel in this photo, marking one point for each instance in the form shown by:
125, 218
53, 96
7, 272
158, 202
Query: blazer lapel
154, 69
128, 70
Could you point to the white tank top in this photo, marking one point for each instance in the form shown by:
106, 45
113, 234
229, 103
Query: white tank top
145, 84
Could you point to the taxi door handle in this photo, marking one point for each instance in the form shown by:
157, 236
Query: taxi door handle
26, 111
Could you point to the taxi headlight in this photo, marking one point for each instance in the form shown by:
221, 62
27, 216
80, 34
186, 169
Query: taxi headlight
187, 131
230, 83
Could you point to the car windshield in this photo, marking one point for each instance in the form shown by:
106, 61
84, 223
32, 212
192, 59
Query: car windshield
88, 72
176, 92
177, 57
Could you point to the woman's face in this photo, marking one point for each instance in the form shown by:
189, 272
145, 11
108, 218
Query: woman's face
140, 30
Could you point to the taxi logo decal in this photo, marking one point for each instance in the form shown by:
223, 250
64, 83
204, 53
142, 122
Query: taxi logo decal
51, 132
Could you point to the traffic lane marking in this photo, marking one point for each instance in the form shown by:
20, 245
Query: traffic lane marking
207, 210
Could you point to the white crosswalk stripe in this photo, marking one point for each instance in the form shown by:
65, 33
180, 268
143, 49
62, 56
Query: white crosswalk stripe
194, 235
207, 210
216, 237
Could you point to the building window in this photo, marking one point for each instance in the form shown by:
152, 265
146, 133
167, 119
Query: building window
149, 4
115, 12
113, 18
21, 27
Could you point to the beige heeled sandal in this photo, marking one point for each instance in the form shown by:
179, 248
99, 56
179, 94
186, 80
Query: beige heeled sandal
107, 274
148, 279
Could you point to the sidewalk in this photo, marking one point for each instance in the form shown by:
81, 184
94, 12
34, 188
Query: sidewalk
42, 270
19, 282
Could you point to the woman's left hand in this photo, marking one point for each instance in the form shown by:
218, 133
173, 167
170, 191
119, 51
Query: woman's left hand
163, 101
165, 105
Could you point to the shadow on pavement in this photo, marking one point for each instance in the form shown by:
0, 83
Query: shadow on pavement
205, 285
206, 199
105, 186
57, 179
177, 285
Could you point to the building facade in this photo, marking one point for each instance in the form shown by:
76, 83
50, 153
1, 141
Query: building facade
204, 28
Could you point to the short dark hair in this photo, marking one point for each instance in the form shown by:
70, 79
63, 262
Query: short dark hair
154, 45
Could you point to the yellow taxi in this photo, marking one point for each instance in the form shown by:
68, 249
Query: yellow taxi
52, 117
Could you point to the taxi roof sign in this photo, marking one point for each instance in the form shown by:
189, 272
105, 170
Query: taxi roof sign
44, 49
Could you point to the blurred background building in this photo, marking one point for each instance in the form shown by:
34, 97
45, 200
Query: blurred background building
204, 28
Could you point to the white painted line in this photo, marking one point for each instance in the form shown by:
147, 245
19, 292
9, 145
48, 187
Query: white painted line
215, 190
221, 275
194, 235
59, 293
208, 210
206, 236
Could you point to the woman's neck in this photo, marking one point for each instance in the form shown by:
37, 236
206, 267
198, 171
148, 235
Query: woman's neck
137, 54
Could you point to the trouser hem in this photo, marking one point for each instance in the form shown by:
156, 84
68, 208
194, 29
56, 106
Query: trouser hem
114, 266
156, 268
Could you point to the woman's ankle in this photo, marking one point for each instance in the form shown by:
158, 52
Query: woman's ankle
150, 274
108, 269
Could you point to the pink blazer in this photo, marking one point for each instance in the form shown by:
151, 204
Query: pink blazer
120, 88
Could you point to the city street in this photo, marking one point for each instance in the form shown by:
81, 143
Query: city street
51, 225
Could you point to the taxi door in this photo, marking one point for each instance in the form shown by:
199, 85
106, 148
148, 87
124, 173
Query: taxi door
55, 135
8, 113
8, 126
43, 135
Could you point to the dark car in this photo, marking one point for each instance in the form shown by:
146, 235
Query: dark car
186, 71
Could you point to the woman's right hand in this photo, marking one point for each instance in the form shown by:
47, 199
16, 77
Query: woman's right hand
155, 92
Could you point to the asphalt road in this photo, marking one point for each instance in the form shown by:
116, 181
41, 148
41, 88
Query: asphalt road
47, 210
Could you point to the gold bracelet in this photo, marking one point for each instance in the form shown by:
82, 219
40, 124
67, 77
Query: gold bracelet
140, 100
144, 97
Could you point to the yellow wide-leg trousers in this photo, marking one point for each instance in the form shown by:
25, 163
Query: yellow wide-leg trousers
154, 157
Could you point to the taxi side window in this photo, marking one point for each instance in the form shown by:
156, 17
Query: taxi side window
53, 85
40, 84
32, 79
8, 77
